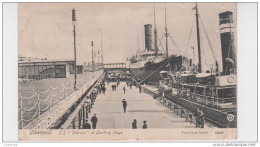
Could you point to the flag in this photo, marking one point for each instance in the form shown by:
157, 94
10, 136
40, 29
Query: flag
194, 8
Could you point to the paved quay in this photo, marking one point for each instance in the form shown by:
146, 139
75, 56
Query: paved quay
140, 106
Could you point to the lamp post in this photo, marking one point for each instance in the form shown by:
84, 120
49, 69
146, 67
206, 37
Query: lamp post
75, 53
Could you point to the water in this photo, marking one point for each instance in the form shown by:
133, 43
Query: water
50, 92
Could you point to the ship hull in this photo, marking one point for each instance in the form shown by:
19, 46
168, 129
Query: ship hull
150, 72
212, 115
149, 76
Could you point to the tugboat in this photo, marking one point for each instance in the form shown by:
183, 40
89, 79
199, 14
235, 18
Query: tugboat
214, 92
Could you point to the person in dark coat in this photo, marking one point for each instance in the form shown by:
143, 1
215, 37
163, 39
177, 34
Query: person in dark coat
94, 121
124, 89
103, 89
86, 125
134, 124
201, 118
124, 105
144, 125
140, 89
197, 115
130, 85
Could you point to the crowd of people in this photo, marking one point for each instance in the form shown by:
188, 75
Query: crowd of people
88, 104
101, 88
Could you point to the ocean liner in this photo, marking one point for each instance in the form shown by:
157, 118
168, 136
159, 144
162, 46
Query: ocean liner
147, 64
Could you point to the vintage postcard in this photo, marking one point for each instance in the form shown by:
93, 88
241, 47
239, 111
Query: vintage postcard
127, 71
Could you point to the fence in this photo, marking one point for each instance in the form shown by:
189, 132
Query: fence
30, 108
178, 110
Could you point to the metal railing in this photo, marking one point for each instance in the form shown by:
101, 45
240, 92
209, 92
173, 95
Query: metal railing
180, 111
205, 99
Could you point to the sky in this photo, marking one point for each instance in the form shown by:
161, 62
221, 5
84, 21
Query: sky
46, 29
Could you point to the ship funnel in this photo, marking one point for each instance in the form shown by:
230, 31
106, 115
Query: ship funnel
148, 37
227, 42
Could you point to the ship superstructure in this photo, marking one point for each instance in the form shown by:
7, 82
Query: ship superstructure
212, 91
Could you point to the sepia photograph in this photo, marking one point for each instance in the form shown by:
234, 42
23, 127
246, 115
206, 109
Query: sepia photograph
127, 71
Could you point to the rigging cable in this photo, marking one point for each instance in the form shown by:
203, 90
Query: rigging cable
155, 71
161, 45
203, 52
213, 53
160, 51
175, 45
189, 35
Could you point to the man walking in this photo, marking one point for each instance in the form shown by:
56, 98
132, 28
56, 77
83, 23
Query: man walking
124, 105
124, 89
134, 124
94, 121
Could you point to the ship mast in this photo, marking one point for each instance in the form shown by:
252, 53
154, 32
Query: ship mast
92, 44
138, 43
98, 60
166, 33
198, 39
155, 35
75, 53
101, 52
